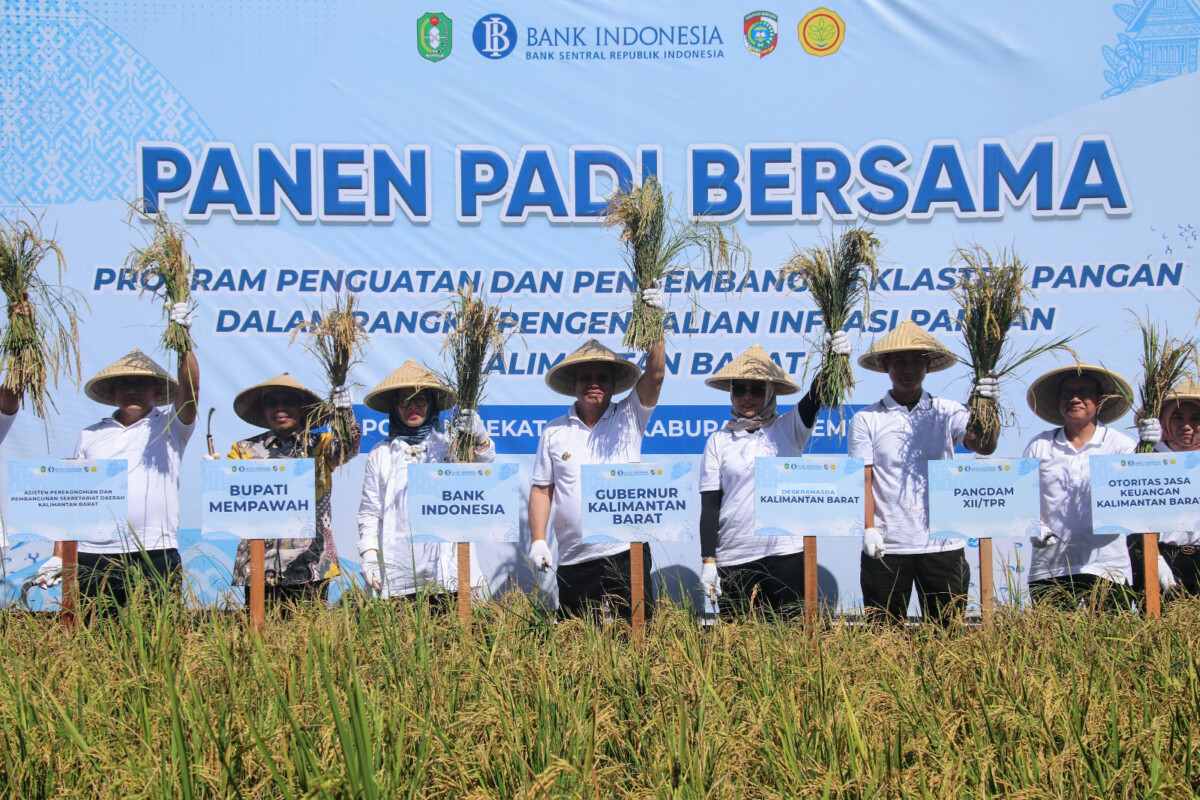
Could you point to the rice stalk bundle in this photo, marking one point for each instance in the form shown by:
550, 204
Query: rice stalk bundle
657, 245
165, 257
41, 342
476, 339
337, 341
992, 298
1164, 364
838, 273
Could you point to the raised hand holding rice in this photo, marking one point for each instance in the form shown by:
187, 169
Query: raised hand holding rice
338, 342
166, 259
477, 338
1164, 365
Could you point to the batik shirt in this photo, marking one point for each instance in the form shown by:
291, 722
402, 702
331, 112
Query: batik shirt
296, 561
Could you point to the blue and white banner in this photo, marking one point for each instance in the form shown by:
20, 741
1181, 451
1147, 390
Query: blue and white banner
464, 502
65, 501
643, 502
259, 498
808, 496
984, 497
1149, 493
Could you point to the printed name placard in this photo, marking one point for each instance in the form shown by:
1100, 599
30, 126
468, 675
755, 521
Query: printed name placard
259, 498
984, 497
64, 501
642, 502
1148, 493
464, 502
810, 496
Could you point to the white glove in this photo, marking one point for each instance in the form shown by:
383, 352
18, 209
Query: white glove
1166, 578
1150, 430
470, 422
873, 544
710, 580
653, 296
49, 574
988, 386
539, 554
181, 313
839, 343
342, 398
370, 569
1042, 538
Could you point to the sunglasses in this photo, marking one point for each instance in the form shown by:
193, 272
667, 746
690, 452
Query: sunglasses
754, 389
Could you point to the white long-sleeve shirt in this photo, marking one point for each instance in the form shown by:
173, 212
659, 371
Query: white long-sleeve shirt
407, 566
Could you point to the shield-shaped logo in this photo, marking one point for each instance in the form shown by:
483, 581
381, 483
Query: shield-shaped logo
762, 32
434, 36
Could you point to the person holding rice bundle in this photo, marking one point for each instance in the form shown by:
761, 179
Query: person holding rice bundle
152, 441
392, 564
896, 437
296, 569
740, 568
1071, 564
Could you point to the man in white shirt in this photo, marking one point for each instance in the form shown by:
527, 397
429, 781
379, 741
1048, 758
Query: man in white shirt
594, 431
1071, 564
896, 438
145, 546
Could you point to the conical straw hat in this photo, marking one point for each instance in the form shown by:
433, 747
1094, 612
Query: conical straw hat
1185, 390
907, 337
410, 374
561, 377
134, 365
1115, 395
753, 365
248, 403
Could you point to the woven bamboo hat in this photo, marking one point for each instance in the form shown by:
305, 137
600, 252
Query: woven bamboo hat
410, 374
135, 365
1186, 390
753, 365
248, 403
561, 377
907, 337
1114, 401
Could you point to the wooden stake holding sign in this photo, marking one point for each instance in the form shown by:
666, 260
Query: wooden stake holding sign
258, 585
464, 581
637, 586
70, 585
987, 584
811, 610
1150, 568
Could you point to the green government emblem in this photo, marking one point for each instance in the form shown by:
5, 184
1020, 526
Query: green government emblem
434, 36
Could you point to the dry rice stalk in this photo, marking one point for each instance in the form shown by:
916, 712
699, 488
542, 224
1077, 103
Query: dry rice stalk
42, 338
658, 244
476, 339
838, 272
992, 298
337, 341
1164, 364
165, 257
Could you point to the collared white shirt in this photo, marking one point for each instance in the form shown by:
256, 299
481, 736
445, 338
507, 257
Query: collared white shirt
1175, 537
898, 444
6, 422
1067, 508
408, 566
567, 444
154, 447
728, 465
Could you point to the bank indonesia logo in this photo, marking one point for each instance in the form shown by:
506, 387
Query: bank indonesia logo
762, 32
494, 36
434, 36
1160, 41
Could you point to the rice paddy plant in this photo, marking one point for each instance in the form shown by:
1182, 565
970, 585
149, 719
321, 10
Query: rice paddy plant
477, 338
41, 342
658, 244
992, 297
337, 341
1165, 361
395, 699
838, 272
165, 257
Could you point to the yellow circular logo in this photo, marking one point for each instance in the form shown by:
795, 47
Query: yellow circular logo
821, 32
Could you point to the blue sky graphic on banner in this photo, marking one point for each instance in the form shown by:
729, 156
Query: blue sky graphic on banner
312, 147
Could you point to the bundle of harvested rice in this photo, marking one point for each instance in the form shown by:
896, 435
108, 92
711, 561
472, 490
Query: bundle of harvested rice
337, 341
476, 339
1164, 364
164, 264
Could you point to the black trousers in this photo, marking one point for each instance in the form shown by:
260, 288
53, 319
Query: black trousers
288, 597
772, 586
583, 587
111, 577
1184, 561
1071, 591
941, 580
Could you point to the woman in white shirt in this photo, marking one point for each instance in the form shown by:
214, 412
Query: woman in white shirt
392, 563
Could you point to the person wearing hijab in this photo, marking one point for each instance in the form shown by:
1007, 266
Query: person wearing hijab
297, 569
740, 568
392, 563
